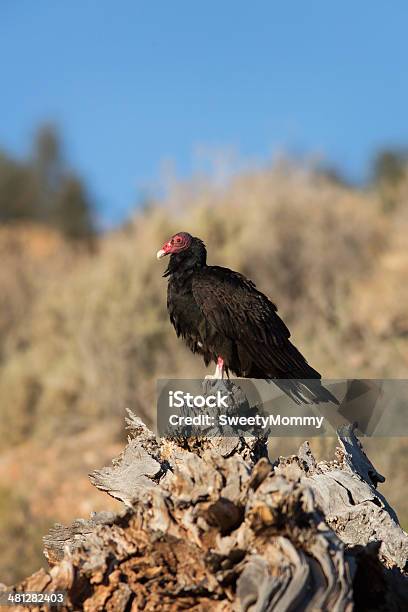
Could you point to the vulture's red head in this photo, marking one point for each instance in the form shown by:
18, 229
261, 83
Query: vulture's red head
177, 243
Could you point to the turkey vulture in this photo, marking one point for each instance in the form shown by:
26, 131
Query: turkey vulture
221, 315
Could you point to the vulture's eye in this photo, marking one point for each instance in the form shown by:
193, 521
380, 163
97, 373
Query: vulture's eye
178, 239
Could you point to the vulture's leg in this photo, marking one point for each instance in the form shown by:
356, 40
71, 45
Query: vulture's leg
219, 371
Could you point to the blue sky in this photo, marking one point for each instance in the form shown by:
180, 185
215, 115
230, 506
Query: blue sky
133, 84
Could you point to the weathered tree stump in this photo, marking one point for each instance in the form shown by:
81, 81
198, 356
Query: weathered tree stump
213, 524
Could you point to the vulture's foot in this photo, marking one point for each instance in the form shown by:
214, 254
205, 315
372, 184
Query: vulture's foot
219, 371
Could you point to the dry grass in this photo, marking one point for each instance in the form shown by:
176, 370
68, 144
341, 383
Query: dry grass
84, 335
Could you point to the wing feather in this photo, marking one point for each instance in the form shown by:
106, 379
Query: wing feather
233, 305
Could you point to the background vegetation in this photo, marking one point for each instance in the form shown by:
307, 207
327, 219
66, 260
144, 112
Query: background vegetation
83, 325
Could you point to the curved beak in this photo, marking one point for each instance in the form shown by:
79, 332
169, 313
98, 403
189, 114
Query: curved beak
161, 253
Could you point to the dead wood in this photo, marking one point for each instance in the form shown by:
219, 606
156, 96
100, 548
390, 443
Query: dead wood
213, 524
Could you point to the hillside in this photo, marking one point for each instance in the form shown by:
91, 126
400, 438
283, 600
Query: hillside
84, 334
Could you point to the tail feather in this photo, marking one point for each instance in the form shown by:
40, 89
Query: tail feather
306, 391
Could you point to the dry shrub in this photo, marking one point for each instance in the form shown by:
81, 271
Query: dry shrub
24, 252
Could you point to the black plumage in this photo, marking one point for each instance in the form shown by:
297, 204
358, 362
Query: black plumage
220, 313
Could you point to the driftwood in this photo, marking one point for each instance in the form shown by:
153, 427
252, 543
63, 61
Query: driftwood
213, 524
